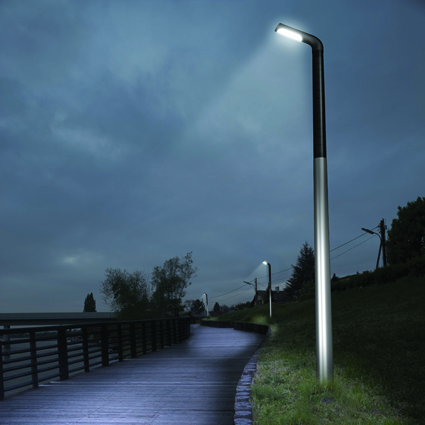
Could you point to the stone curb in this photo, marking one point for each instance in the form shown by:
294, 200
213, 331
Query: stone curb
243, 408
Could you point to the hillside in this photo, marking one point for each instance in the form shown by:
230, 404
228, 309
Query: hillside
379, 358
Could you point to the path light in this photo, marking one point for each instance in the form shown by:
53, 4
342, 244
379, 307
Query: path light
324, 354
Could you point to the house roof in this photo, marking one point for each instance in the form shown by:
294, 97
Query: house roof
277, 296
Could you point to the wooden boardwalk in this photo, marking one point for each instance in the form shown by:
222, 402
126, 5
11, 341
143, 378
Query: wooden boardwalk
193, 382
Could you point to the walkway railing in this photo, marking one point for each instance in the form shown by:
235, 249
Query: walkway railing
237, 326
55, 352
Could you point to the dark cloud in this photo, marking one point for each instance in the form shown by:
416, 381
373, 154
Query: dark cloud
131, 132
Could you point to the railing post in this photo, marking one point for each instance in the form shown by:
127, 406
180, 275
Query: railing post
6, 341
33, 354
104, 345
187, 326
184, 327
1, 372
63, 354
133, 340
144, 337
120, 348
86, 349
169, 331
179, 327
161, 330
174, 331
153, 334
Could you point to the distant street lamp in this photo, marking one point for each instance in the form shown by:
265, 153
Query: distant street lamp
324, 351
255, 290
270, 286
206, 302
381, 236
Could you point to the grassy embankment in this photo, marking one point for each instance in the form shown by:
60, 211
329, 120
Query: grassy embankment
379, 358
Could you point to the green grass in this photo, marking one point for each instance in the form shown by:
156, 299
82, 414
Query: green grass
379, 359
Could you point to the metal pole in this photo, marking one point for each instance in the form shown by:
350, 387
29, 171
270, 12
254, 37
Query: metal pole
270, 288
384, 249
206, 301
379, 254
324, 351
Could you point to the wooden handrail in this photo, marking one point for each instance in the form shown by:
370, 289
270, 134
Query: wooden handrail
69, 349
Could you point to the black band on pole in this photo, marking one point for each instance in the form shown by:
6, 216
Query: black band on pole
319, 119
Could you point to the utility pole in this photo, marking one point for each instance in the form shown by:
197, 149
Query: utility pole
382, 246
255, 293
382, 229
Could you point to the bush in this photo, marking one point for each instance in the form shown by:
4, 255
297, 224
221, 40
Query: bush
384, 275
417, 267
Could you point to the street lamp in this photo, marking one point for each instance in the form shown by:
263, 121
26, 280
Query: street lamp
206, 302
324, 352
255, 290
270, 286
382, 244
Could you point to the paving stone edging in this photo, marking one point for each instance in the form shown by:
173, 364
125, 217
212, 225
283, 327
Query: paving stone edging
243, 408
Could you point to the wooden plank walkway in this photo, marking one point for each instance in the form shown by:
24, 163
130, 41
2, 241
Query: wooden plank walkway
193, 382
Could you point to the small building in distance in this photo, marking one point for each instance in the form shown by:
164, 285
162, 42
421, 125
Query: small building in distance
262, 297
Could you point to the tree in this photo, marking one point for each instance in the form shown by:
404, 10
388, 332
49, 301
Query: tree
335, 278
197, 307
89, 304
241, 306
216, 307
187, 305
169, 283
302, 272
127, 294
224, 308
406, 238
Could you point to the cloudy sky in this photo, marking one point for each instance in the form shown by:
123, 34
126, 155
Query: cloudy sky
132, 132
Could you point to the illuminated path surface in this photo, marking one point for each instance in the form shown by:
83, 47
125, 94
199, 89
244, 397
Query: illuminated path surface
193, 382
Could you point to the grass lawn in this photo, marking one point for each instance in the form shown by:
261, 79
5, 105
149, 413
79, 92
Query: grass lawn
379, 359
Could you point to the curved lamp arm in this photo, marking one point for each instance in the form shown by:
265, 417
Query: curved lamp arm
298, 35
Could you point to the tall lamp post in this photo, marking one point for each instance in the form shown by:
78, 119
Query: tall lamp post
324, 351
270, 286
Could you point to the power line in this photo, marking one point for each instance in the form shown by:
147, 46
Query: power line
233, 296
218, 296
348, 242
353, 247
282, 271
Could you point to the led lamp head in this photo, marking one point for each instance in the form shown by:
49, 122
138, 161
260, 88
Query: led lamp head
290, 34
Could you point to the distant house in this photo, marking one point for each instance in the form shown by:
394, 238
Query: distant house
262, 297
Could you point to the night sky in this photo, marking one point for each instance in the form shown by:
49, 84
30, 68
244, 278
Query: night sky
132, 132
